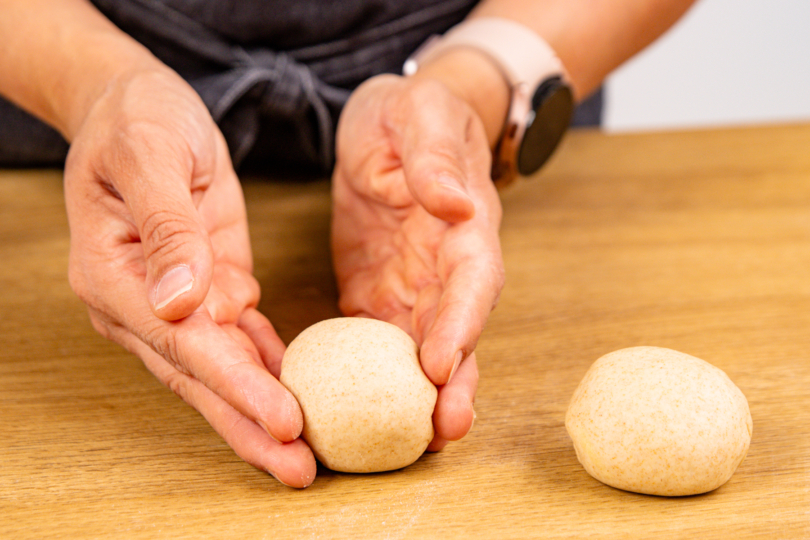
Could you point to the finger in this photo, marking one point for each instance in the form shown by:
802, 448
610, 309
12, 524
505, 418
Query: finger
432, 141
239, 336
261, 332
293, 463
424, 310
437, 444
383, 293
232, 292
198, 347
470, 293
454, 414
155, 179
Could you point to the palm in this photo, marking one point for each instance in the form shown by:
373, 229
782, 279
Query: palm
389, 253
406, 249
415, 229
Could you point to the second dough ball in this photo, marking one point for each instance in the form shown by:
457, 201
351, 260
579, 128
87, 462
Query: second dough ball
367, 404
659, 421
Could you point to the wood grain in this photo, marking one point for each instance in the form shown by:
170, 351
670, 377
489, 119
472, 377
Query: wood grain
697, 241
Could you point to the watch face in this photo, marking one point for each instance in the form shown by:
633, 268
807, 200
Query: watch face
552, 108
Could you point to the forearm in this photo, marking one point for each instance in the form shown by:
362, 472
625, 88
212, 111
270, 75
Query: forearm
58, 57
591, 38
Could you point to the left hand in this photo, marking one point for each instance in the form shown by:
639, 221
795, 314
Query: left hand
415, 229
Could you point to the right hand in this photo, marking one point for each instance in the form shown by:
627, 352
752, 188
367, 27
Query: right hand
160, 253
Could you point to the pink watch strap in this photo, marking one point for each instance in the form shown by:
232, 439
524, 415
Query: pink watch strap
523, 56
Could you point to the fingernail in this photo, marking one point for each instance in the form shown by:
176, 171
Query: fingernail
271, 473
449, 182
175, 282
264, 427
456, 363
475, 417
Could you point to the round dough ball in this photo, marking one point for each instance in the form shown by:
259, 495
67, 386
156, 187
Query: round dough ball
658, 421
367, 404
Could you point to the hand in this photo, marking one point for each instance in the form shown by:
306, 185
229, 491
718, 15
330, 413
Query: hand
161, 255
415, 229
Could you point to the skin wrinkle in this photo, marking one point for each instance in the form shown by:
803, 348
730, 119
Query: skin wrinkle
160, 230
233, 375
177, 382
251, 322
381, 188
126, 163
239, 375
100, 324
162, 338
424, 311
381, 251
423, 262
416, 268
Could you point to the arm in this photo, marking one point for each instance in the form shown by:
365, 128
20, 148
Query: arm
591, 37
59, 57
416, 217
159, 249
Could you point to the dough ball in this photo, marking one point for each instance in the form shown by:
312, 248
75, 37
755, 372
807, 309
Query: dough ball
659, 421
367, 404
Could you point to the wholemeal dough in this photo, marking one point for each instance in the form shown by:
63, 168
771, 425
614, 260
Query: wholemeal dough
367, 403
657, 421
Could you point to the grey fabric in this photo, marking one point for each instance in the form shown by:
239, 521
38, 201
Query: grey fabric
25, 141
589, 111
275, 74
283, 88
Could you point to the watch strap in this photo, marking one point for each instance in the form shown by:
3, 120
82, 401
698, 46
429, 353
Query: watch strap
527, 63
522, 55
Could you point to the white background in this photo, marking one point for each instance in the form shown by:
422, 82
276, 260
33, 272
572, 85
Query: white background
727, 62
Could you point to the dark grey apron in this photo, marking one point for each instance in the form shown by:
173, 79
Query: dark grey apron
274, 74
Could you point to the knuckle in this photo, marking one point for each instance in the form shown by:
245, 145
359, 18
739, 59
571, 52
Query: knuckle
101, 326
164, 340
164, 231
139, 146
178, 383
137, 137
391, 189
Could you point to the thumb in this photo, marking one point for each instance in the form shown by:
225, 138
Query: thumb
175, 243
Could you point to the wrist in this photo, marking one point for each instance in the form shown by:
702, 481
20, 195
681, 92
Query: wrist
541, 100
116, 61
57, 58
473, 77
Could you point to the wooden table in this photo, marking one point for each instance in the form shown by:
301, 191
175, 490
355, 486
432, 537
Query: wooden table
696, 241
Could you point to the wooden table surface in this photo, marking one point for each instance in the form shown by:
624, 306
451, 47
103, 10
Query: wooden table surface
697, 241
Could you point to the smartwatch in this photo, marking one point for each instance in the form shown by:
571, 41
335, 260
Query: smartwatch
541, 103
